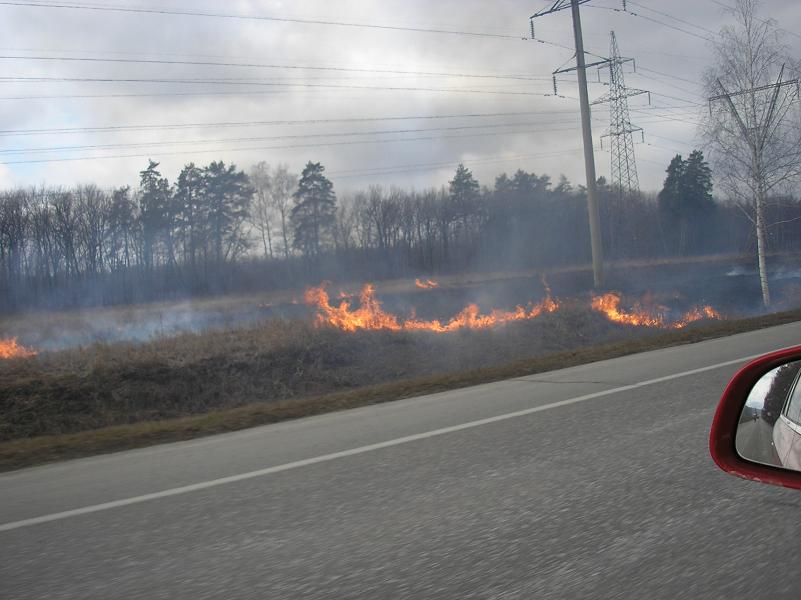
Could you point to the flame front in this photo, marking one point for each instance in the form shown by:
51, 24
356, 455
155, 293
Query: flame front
427, 284
9, 348
609, 305
697, 314
371, 316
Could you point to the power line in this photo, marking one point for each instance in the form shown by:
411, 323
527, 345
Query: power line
154, 11
261, 138
220, 15
764, 21
690, 102
663, 74
252, 93
653, 20
327, 86
149, 127
278, 147
267, 66
232, 124
48, 149
668, 83
190, 80
669, 16
671, 140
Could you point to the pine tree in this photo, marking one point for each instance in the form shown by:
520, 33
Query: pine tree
464, 188
670, 196
314, 212
192, 211
696, 183
156, 214
670, 204
464, 193
228, 195
686, 200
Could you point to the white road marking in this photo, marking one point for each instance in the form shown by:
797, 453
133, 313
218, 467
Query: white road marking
354, 451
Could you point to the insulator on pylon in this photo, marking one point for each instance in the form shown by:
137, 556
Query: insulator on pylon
555, 93
531, 22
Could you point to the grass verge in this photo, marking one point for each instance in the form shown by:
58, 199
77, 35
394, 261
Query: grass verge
19, 453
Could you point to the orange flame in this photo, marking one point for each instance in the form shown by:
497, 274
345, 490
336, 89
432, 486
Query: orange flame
427, 284
9, 348
609, 305
371, 316
697, 314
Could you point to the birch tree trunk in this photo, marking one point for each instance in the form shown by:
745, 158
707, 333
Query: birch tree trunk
760, 230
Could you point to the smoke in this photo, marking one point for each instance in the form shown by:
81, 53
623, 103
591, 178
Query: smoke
669, 289
65, 330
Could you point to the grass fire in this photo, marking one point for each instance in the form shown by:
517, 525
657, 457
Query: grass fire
10, 348
80, 371
638, 315
426, 284
369, 315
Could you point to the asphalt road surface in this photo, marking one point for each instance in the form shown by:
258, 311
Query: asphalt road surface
589, 482
754, 441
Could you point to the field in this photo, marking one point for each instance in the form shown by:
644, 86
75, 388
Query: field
276, 354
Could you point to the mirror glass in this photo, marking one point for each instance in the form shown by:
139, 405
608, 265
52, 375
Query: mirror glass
769, 430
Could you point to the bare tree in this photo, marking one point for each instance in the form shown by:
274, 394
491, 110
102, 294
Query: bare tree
753, 127
261, 213
283, 186
345, 226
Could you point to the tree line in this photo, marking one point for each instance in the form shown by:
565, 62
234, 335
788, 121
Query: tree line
219, 229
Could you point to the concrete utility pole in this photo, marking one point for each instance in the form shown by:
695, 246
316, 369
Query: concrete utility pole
586, 130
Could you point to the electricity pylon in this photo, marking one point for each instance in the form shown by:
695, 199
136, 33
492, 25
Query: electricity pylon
624, 164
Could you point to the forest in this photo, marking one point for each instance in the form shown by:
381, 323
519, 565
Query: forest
217, 229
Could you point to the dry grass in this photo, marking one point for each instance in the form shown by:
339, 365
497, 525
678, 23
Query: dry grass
117, 384
107, 398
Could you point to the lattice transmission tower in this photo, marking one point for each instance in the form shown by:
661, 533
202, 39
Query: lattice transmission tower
624, 164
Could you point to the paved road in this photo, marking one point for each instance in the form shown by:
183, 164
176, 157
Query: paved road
589, 482
755, 442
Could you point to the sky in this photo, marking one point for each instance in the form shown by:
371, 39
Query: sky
385, 104
757, 395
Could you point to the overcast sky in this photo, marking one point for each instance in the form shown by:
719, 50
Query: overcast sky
529, 129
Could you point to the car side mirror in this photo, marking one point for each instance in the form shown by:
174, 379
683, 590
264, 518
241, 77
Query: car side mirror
756, 432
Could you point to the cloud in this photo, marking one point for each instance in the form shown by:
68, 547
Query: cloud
546, 141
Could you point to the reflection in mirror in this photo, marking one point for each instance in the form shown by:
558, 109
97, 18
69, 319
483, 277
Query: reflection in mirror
769, 431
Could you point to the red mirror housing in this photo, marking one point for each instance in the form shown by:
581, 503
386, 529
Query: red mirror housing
727, 416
